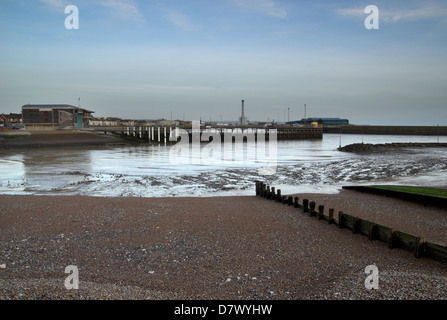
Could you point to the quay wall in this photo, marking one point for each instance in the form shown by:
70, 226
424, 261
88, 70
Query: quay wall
389, 130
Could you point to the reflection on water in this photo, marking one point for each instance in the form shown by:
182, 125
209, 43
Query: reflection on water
148, 171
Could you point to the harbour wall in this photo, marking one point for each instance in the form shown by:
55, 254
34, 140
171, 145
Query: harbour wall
389, 130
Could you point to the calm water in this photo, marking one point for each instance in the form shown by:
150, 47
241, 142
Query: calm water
153, 171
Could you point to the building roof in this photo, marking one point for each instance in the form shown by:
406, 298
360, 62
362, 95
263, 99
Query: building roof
324, 119
11, 115
54, 106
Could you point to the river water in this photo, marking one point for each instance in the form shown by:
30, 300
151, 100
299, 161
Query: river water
306, 166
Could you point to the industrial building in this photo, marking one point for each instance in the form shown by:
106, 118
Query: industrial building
325, 122
54, 117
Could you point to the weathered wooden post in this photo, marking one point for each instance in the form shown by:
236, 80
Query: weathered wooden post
312, 205
419, 247
165, 135
372, 231
273, 195
278, 196
296, 203
158, 132
320, 212
257, 187
392, 238
284, 200
356, 225
305, 205
268, 192
341, 219
331, 216
262, 189
290, 201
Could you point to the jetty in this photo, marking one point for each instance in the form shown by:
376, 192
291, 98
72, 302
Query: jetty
167, 135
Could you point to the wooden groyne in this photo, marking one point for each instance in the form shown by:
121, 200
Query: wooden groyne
392, 237
389, 130
168, 134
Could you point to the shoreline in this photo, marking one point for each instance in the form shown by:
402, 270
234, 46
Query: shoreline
365, 148
214, 248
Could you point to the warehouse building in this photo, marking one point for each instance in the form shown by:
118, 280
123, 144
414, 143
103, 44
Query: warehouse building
55, 117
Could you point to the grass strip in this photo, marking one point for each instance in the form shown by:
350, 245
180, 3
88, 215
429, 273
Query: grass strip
424, 191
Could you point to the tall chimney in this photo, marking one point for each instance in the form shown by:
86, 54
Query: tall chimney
242, 107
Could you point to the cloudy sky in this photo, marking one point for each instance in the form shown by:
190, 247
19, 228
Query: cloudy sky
198, 59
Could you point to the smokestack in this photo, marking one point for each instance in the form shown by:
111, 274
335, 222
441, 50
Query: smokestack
242, 107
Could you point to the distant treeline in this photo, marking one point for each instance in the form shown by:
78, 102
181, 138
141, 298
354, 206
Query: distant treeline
391, 130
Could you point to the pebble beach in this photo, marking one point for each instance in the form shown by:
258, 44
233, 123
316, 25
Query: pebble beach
238, 248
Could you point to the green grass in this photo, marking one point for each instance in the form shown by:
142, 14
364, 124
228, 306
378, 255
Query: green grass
432, 192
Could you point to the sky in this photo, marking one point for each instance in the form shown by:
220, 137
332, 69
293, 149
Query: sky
197, 59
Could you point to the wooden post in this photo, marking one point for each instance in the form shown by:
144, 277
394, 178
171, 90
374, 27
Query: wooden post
278, 196
320, 212
356, 225
372, 231
392, 237
341, 222
419, 247
165, 135
284, 200
257, 187
290, 201
268, 192
273, 195
158, 132
331, 216
305, 205
312, 205
296, 202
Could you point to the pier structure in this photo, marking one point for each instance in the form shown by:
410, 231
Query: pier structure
168, 135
